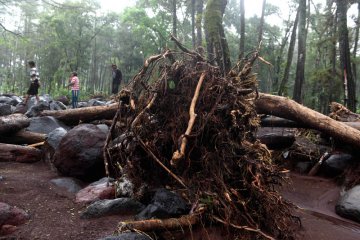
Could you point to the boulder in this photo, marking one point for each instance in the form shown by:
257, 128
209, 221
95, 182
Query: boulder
45, 124
106, 207
79, 153
95, 191
164, 204
348, 205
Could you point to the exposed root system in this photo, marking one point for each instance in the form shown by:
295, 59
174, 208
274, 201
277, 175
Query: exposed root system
190, 128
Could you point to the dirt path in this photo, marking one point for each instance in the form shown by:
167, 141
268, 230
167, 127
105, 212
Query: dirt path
55, 216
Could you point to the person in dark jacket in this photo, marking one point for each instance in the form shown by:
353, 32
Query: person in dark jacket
116, 79
34, 83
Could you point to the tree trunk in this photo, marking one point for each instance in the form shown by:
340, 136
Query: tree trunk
282, 89
261, 25
300, 66
289, 109
193, 37
13, 123
217, 46
345, 63
198, 20
22, 137
86, 114
242, 30
174, 21
16, 153
272, 121
356, 46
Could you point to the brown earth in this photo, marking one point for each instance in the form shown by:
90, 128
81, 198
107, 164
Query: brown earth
54, 214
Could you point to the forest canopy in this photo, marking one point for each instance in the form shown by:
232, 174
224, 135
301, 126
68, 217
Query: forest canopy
311, 56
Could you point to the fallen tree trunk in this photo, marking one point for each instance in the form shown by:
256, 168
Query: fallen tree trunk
86, 114
16, 153
272, 121
22, 137
13, 123
289, 109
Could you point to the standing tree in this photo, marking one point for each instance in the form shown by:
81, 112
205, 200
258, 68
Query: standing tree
300, 67
242, 30
345, 63
261, 25
282, 88
217, 46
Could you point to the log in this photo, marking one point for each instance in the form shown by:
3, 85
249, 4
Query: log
271, 121
286, 108
16, 153
341, 113
182, 222
13, 123
85, 114
22, 137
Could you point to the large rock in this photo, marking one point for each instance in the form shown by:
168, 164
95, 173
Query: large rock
102, 189
106, 207
5, 109
348, 205
164, 204
336, 164
79, 153
10, 215
45, 124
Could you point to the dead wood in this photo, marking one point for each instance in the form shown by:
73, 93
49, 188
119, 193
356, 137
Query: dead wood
341, 113
16, 153
272, 121
182, 222
289, 109
179, 154
13, 123
86, 114
22, 137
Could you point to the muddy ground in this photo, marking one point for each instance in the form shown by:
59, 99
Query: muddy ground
54, 215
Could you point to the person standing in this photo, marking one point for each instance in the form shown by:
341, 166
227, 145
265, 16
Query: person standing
75, 88
34, 83
116, 79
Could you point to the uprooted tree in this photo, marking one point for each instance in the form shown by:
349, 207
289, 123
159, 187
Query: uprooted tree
191, 129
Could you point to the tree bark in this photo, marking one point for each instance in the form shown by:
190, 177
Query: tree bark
345, 63
242, 30
16, 153
282, 89
86, 114
272, 121
300, 66
13, 123
161, 224
22, 137
289, 109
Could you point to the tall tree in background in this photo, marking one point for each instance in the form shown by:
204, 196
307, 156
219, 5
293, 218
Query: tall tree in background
290, 54
345, 64
216, 42
198, 20
174, 20
261, 25
300, 66
242, 30
193, 37
356, 39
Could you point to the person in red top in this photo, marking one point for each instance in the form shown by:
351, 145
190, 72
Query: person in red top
75, 87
